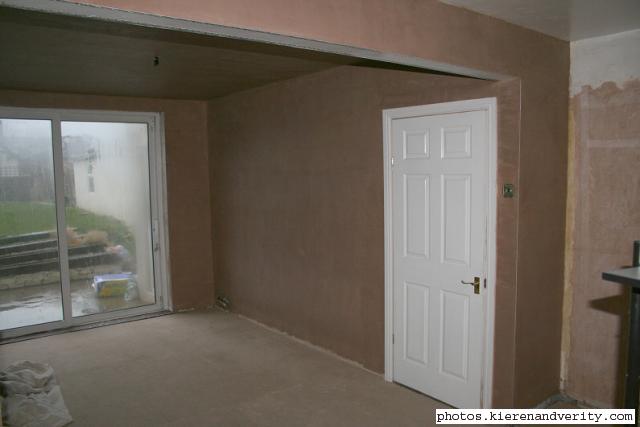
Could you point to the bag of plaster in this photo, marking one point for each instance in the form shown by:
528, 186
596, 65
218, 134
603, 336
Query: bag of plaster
31, 396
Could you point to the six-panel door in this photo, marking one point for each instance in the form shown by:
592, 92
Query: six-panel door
439, 180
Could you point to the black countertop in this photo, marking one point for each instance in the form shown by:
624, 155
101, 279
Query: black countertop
626, 276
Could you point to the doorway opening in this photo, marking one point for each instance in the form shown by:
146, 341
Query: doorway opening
82, 231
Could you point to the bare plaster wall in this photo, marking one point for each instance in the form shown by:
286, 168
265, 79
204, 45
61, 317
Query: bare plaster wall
187, 182
604, 212
438, 32
297, 189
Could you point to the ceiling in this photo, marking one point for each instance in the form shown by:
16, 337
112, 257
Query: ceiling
57, 53
569, 20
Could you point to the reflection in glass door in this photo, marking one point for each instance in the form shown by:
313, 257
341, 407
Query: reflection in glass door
30, 286
96, 176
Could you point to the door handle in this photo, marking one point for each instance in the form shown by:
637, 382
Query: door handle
475, 284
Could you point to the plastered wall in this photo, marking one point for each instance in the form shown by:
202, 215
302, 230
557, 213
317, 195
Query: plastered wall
434, 31
298, 214
187, 182
603, 212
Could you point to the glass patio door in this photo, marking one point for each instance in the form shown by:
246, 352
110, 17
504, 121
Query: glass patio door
30, 281
81, 237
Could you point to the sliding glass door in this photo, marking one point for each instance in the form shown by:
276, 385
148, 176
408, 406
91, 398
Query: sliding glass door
81, 231
30, 283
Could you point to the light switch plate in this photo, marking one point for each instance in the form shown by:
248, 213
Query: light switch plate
507, 191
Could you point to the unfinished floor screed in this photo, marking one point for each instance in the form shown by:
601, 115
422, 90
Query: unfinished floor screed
214, 368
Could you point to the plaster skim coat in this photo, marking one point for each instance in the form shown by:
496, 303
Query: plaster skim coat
603, 213
434, 31
298, 212
187, 182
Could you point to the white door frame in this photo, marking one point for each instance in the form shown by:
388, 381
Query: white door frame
489, 105
158, 204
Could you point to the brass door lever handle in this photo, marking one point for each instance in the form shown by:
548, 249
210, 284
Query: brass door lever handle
475, 284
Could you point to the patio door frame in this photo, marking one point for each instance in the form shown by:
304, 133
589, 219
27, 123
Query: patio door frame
158, 207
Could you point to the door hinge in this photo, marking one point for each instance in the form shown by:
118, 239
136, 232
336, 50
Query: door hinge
393, 338
485, 283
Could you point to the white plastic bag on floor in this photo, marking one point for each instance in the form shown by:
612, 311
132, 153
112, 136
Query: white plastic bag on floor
32, 396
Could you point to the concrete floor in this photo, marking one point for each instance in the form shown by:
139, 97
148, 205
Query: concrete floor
212, 368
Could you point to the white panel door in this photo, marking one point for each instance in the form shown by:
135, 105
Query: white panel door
438, 185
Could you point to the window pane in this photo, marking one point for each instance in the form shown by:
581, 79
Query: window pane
30, 289
106, 171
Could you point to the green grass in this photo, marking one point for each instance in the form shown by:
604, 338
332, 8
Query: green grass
29, 217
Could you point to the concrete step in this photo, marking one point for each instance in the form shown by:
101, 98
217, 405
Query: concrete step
47, 253
76, 261
23, 238
29, 246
